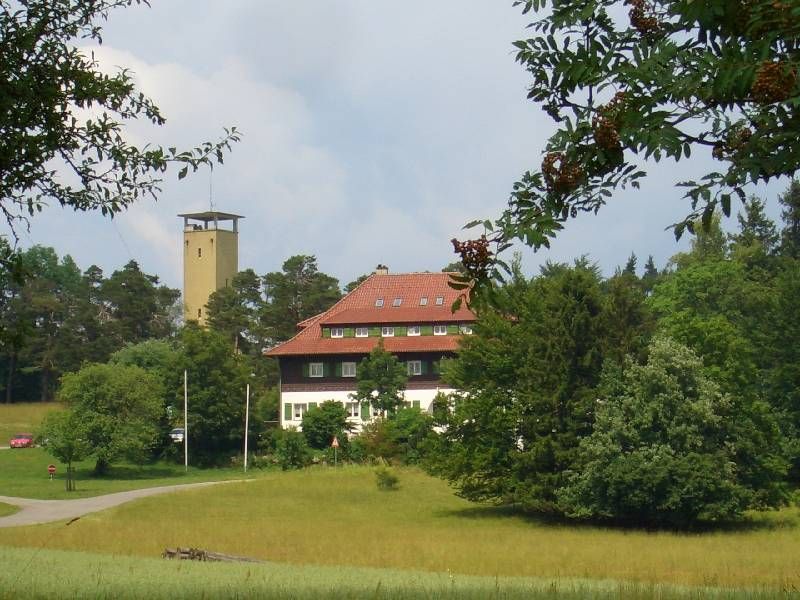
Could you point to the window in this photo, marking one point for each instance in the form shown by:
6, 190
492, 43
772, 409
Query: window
349, 370
439, 300
440, 330
423, 301
362, 331
387, 331
199, 312
337, 332
413, 330
397, 302
465, 329
379, 302
376, 412
315, 370
199, 253
414, 367
352, 409
299, 411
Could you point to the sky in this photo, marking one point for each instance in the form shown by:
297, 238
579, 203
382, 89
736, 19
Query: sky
372, 132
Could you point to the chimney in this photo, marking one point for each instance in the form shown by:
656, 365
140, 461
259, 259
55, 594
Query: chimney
381, 270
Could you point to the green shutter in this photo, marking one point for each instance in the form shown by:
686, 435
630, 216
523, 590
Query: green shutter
415, 404
326, 332
287, 412
436, 367
401, 330
326, 369
424, 365
305, 370
312, 405
374, 332
426, 330
452, 329
349, 332
365, 411
338, 369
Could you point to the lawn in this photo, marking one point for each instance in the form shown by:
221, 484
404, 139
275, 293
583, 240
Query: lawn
7, 509
23, 417
23, 473
335, 518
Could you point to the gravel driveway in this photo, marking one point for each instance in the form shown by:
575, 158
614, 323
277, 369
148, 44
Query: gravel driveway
33, 512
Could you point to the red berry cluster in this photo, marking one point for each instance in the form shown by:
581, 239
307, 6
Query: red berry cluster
643, 17
606, 123
775, 82
560, 175
737, 139
475, 256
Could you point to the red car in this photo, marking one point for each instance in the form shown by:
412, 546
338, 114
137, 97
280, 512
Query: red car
22, 440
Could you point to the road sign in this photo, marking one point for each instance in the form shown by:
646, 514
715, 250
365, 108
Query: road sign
51, 469
335, 442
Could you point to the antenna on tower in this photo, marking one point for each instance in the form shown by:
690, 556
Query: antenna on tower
211, 189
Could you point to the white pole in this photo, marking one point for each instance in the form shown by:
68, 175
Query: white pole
246, 425
185, 421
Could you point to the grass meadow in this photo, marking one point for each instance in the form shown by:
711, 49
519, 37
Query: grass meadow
337, 518
7, 509
23, 417
57, 574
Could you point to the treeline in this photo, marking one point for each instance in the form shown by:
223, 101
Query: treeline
54, 317
663, 396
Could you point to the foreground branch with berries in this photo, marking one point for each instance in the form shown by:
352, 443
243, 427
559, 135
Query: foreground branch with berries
632, 80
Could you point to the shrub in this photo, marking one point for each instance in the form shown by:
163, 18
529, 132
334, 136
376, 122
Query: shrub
386, 479
291, 450
322, 423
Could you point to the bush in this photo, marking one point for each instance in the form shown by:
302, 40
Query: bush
402, 437
322, 423
386, 479
668, 448
291, 450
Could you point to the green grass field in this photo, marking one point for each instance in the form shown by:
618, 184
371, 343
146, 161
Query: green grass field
23, 473
7, 509
22, 418
36, 573
337, 518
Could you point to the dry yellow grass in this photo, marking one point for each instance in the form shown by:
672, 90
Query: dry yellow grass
328, 517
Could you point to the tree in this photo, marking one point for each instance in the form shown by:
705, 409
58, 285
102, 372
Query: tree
217, 382
323, 422
355, 283
632, 80
67, 440
527, 376
118, 407
790, 213
380, 380
294, 294
62, 119
233, 310
666, 448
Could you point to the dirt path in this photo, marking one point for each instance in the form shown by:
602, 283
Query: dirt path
33, 512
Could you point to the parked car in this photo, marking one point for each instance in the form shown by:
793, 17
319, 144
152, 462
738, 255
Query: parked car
176, 434
21, 440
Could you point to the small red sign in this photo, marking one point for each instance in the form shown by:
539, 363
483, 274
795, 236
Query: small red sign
335, 442
51, 469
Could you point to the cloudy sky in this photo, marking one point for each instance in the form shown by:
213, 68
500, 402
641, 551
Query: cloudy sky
372, 132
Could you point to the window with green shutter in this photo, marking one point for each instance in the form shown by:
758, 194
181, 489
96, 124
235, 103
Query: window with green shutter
287, 411
365, 411
326, 332
426, 330
305, 370
415, 404
452, 329
326, 369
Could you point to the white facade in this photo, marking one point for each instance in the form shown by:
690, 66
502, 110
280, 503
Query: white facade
300, 402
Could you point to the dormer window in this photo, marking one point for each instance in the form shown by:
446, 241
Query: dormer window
465, 329
379, 302
397, 302
413, 330
439, 300
387, 331
337, 332
440, 330
423, 301
362, 332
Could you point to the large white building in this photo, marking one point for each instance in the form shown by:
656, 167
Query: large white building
410, 312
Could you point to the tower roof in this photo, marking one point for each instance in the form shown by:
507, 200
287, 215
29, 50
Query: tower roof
211, 215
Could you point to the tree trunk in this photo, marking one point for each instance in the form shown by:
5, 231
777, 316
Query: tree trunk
12, 366
101, 466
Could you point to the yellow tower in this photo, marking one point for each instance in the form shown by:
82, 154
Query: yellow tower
210, 259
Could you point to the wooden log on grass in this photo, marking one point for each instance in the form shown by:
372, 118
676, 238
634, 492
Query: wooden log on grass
203, 555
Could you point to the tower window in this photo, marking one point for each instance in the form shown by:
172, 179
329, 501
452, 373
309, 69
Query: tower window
199, 312
199, 253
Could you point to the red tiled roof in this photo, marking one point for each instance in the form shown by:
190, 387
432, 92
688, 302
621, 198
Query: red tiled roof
358, 308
